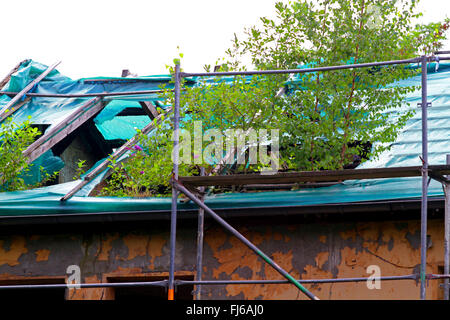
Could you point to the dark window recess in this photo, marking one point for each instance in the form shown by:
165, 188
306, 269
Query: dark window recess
33, 294
183, 292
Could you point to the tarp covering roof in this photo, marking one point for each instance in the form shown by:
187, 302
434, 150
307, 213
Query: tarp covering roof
53, 110
404, 152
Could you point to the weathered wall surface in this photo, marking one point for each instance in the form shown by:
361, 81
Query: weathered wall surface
306, 250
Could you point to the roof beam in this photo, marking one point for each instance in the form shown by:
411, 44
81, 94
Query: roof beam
58, 127
63, 129
8, 108
313, 176
118, 153
149, 109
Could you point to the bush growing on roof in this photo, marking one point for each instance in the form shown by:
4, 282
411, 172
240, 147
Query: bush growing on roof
14, 139
147, 169
325, 119
229, 103
326, 113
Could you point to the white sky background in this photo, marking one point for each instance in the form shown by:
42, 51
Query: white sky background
102, 37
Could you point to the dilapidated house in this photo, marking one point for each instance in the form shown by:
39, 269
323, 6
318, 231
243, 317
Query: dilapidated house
336, 231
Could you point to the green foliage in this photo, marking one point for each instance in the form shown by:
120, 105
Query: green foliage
14, 139
45, 178
326, 113
225, 103
81, 165
325, 118
427, 38
147, 170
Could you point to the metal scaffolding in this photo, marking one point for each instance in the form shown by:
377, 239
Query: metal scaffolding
178, 186
185, 185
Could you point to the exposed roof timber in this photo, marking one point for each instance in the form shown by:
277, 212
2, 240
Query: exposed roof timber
149, 109
14, 70
313, 176
119, 152
24, 91
438, 177
20, 105
125, 73
64, 128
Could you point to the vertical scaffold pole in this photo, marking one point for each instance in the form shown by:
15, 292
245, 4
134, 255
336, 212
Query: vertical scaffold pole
200, 235
447, 234
175, 159
423, 229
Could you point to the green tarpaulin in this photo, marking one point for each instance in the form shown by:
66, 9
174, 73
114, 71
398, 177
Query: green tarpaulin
404, 152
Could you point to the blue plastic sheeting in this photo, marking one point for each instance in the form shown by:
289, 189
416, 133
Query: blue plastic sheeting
123, 127
46, 163
115, 107
404, 152
54, 110
30, 71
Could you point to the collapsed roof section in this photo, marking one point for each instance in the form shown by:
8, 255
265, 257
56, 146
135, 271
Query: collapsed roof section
74, 113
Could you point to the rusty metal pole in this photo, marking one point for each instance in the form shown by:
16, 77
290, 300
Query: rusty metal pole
446, 235
175, 159
424, 208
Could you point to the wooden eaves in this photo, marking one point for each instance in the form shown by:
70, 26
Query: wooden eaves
437, 172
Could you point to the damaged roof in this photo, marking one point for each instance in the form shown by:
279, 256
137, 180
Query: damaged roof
50, 111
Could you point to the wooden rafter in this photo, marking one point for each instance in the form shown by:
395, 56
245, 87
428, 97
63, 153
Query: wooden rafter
313, 176
118, 153
9, 109
87, 111
149, 109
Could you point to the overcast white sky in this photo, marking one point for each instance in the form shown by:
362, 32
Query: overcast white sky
102, 37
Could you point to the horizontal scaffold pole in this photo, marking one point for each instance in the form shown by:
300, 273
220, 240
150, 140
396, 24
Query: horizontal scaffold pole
311, 281
84, 95
437, 171
307, 70
162, 283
